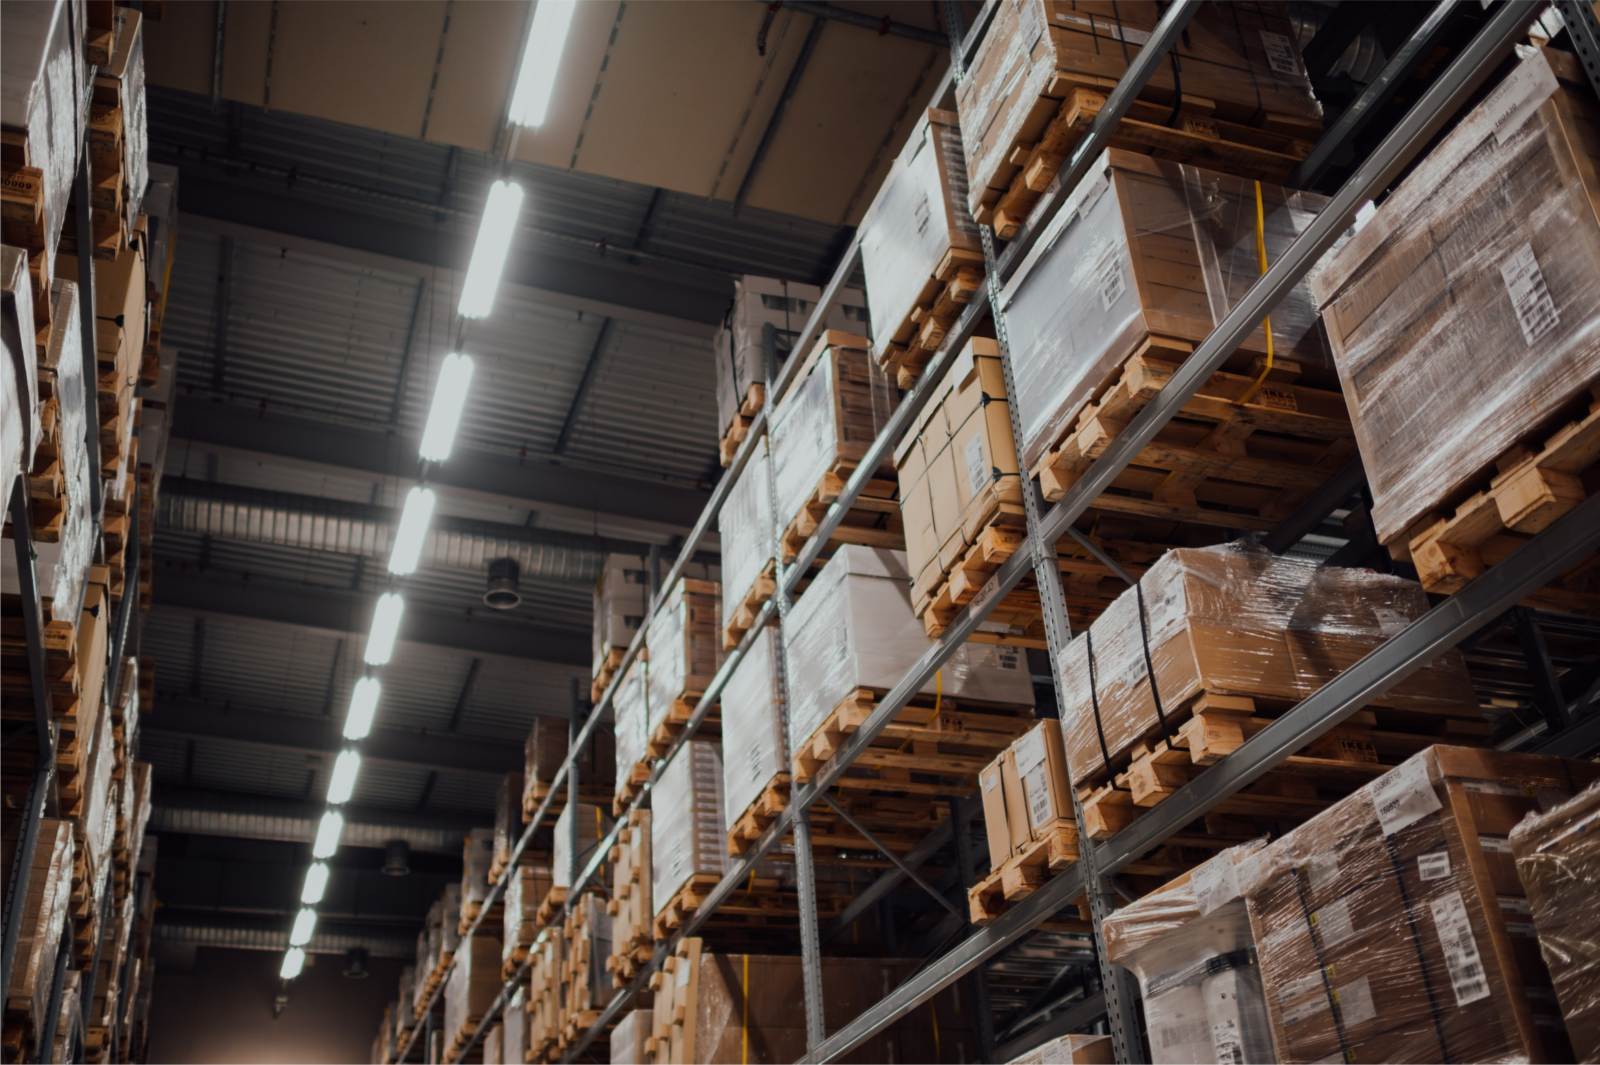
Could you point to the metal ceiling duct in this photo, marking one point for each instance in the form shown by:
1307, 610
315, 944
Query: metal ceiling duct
278, 939
294, 829
286, 520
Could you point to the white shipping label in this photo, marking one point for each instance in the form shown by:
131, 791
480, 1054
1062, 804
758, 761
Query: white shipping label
1355, 1002
1521, 930
1434, 866
1530, 296
1304, 1011
1510, 106
1514, 906
1280, 54
1037, 785
1126, 34
1007, 658
1322, 869
1214, 884
1494, 844
1403, 796
1226, 1042
1334, 923
1390, 621
1461, 956
1108, 279
977, 469
1030, 750
991, 780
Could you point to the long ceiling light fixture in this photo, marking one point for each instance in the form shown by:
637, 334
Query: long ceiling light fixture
495, 231
385, 627
413, 532
536, 78
363, 706
444, 414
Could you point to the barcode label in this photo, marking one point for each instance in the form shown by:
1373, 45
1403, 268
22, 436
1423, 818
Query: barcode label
1037, 785
1390, 621
1226, 1042
1333, 921
1536, 310
1214, 884
1403, 796
1355, 1001
1494, 844
977, 470
1280, 54
1461, 956
1108, 279
1006, 657
1434, 866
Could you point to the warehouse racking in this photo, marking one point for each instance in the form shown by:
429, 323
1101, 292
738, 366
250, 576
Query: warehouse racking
42, 798
1480, 603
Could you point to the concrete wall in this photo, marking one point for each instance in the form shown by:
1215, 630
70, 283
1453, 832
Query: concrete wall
215, 1005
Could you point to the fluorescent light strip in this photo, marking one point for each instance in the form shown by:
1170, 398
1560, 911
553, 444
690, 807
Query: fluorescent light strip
536, 78
328, 832
385, 627
294, 960
343, 781
305, 922
413, 531
363, 706
316, 883
496, 230
449, 396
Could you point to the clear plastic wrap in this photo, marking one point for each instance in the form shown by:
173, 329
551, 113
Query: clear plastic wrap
586, 946
688, 836
42, 93
127, 70
685, 641
1070, 1050
526, 888
477, 858
619, 605
1145, 246
514, 1044
1237, 620
853, 628
99, 803
1190, 946
1558, 861
507, 815
473, 983
22, 416
1393, 927
830, 415
593, 824
630, 1037
45, 908
631, 720
1466, 312
450, 922
786, 305
405, 1019
745, 528
920, 213
1240, 58
754, 725
427, 954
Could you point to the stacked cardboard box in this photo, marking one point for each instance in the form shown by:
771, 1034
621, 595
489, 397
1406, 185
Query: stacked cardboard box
920, 249
526, 889
542, 754
630, 726
821, 431
46, 909
587, 985
685, 641
755, 733
1463, 318
619, 610
593, 824
477, 857
688, 836
632, 908
1558, 863
1027, 817
739, 350
1234, 74
749, 545
514, 1034
473, 984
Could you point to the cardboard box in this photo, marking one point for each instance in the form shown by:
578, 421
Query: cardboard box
631, 723
1240, 62
1039, 762
1483, 267
477, 857
1018, 832
688, 835
593, 824
619, 605
685, 641
473, 983
746, 533
1145, 247
754, 725
996, 820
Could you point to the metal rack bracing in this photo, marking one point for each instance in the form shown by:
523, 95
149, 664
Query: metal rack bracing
1536, 563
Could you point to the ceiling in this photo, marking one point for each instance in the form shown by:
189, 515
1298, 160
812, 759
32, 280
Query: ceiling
321, 240
675, 96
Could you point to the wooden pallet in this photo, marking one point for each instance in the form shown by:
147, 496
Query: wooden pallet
433, 980
873, 520
1211, 725
758, 817
1236, 456
739, 428
758, 905
630, 785
955, 282
631, 908
457, 1044
550, 906
1023, 873
1149, 129
608, 670
932, 736
510, 964
1529, 487
743, 616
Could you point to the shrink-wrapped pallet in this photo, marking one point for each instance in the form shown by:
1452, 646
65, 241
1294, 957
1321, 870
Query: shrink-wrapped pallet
46, 906
120, 84
404, 1018
631, 726
749, 542
737, 347
473, 983
514, 1038
23, 428
593, 824
853, 628
630, 1038
619, 607
1146, 248
542, 754
920, 250
1237, 62
507, 818
1392, 927
688, 835
1465, 315
477, 858
450, 921
754, 725
1236, 620
1558, 861
43, 89
685, 641
1190, 946
585, 948
526, 888
838, 405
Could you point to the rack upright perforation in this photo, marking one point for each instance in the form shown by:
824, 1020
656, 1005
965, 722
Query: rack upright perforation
1544, 557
